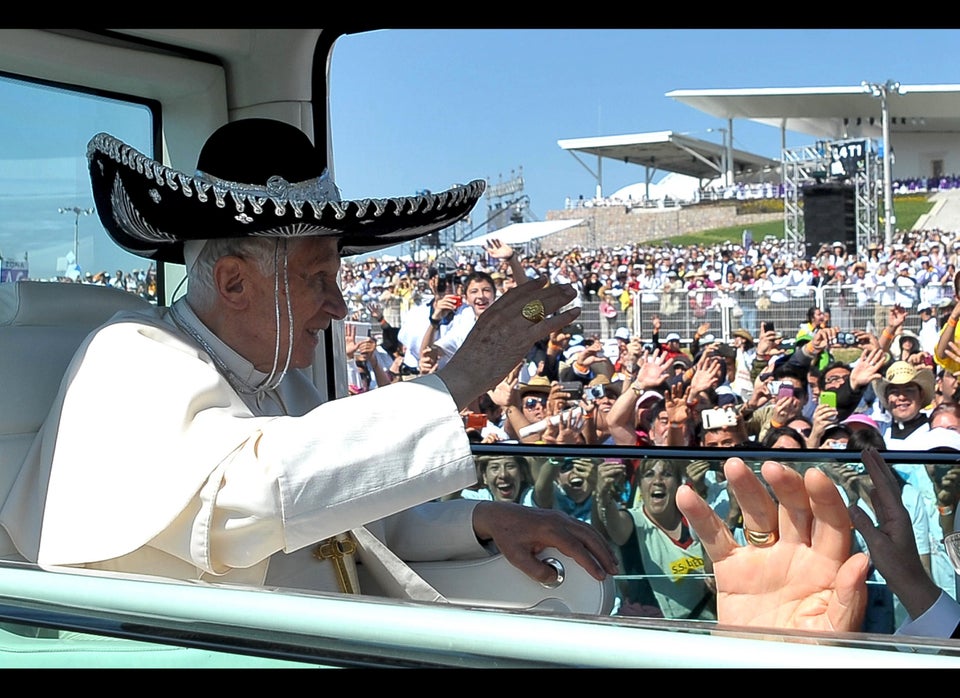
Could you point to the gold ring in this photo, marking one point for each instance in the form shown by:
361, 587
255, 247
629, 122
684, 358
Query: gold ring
760, 539
533, 311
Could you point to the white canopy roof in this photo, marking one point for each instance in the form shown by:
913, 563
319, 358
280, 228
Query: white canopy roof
521, 233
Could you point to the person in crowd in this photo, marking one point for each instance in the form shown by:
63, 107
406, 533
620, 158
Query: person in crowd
568, 484
815, 321
746, 347
671, 345
929, 328
765, 411
777, 438
249, 472
629, 410
906, 347
946, 415
371, 363
523, 403
585, 364
478, 294
503, 478
656, 543
947, 387
903, 394
596, 409
435, 310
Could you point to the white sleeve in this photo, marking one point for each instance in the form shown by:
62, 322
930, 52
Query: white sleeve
344, 464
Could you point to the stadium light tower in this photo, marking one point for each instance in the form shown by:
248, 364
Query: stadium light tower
883, 91
77, 211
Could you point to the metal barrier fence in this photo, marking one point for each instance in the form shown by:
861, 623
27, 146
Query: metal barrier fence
683, 311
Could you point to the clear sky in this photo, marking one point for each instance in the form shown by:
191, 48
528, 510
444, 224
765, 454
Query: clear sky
422, 109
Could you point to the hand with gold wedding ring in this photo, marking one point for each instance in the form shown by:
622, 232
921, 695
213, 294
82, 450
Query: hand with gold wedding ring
796, 571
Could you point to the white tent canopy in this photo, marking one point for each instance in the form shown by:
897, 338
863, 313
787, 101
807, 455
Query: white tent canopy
521, 233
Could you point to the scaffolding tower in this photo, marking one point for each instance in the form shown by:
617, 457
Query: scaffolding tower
853, 161
506, 202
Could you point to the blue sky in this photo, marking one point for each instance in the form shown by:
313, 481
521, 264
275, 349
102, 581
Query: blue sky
422, 109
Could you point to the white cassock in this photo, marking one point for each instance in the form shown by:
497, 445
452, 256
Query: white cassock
151, 463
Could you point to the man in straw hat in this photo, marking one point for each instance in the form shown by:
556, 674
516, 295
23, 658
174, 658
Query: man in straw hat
239, 471
904, 391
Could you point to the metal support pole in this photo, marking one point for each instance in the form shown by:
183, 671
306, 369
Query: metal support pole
883, 91
77, 211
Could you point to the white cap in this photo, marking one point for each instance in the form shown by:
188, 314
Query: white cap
673, 336
647, 396
622, 333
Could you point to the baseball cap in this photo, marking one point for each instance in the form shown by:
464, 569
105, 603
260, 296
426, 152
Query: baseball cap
622, 333
673, 337
924, 306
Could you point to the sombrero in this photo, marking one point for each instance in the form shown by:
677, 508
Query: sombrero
255, 177
902, 373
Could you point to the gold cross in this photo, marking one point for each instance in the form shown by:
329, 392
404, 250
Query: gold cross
334, 549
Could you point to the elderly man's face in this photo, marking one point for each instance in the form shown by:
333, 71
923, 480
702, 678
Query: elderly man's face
903, 401
315, 300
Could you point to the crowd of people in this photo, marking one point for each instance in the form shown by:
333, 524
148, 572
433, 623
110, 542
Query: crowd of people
767, 280
815, 386
142, 282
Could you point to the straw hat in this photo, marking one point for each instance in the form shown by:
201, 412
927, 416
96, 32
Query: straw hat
537, 384
904, 373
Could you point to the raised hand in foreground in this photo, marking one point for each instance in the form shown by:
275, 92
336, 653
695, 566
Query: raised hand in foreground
806, 579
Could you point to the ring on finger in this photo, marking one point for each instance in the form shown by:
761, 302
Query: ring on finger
533, 311
760, 539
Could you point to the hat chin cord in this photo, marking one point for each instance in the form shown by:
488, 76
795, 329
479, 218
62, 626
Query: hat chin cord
273, 379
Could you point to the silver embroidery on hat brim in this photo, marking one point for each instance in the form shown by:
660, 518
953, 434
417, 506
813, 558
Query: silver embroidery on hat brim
320, 193
129, 218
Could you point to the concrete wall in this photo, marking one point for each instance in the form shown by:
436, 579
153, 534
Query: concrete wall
613, 226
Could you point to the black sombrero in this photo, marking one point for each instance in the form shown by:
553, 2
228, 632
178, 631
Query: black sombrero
255, 177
